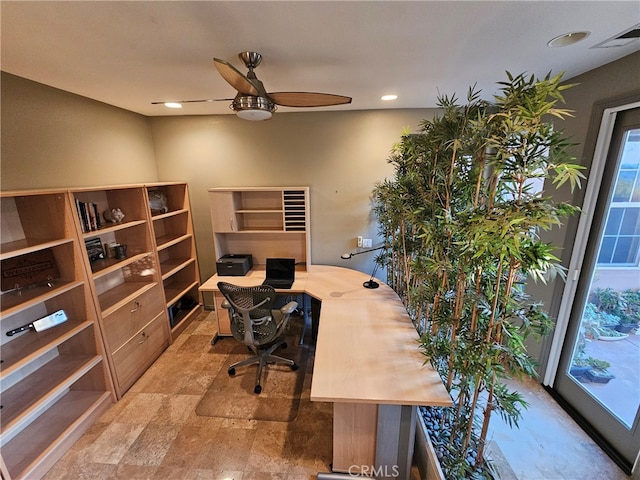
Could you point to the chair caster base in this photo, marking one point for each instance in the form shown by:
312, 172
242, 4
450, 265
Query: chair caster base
257, 390
231, 372
294, 367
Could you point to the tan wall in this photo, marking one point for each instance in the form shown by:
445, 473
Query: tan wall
52, 138
339, 155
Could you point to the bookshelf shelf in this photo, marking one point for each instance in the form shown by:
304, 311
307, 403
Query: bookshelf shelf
36, 448
24, 246
28, 398
113, 227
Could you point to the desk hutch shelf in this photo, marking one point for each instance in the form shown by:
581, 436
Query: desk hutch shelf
261, 221
265, 222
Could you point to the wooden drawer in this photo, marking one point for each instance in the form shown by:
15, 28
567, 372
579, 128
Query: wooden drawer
127, 320
224, 324
134, 357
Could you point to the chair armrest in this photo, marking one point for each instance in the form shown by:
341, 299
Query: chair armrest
289, 308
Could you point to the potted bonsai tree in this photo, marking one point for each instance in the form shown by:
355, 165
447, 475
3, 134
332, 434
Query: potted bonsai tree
630, 315
461, 221
598, 371
623, 308
586, 368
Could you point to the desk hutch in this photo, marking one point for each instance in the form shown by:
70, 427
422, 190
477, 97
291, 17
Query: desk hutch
265, 222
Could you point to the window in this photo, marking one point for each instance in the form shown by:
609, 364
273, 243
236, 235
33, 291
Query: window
621, 240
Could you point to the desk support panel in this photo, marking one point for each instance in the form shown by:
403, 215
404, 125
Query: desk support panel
396, 439
354, 436
373, 440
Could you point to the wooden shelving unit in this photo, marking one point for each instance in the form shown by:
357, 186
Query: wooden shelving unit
123, 308
127, 290
55, 383
174, 241
261, 221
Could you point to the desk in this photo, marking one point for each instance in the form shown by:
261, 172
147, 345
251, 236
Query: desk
367, 363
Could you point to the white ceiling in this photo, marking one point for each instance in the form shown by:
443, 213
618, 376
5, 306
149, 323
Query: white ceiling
130, 54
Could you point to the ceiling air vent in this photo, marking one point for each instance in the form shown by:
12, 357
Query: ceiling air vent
621, 39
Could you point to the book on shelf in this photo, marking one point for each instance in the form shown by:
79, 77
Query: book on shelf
88, 216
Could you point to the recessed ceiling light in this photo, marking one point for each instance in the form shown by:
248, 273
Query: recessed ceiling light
172, 105
568, 39
387, 98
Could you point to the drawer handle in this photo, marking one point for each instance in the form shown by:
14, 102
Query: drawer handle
144, 338
138, 306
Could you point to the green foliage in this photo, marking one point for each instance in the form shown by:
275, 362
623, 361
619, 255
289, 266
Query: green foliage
461, 220
623, 305
595, 363
593, 315
631, 312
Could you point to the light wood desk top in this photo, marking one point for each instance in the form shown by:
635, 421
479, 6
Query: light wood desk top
367, 348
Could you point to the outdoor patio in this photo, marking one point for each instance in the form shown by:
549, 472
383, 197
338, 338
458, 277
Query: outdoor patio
621, 395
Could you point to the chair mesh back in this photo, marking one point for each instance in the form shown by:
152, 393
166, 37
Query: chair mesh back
243, 301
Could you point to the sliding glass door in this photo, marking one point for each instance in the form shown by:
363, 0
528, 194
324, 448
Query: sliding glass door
599, 369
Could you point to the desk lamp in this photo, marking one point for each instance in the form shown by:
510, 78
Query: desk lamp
371, 283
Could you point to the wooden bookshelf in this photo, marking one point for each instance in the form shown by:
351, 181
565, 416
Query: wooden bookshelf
54, 382
174, 239
57, 249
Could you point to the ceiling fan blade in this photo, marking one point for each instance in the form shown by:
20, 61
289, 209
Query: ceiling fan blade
208, 100
235, 78
308, 99
204, 100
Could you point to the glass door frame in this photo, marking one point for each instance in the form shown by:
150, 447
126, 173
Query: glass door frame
580, 244
563, 331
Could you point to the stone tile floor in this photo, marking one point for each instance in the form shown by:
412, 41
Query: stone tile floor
154, 433
549, 445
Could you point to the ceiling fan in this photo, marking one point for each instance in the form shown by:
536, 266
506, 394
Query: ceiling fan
252, 101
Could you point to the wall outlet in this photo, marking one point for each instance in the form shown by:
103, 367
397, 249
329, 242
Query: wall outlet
359, 241
366, 243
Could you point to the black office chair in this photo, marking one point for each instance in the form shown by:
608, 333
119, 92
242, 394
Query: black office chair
257, 324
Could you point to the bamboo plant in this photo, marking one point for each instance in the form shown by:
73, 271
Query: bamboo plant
461, 220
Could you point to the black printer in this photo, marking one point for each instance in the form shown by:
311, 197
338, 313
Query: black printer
235, 265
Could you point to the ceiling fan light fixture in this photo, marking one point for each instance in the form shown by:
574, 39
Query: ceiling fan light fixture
254, 114
253, 108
